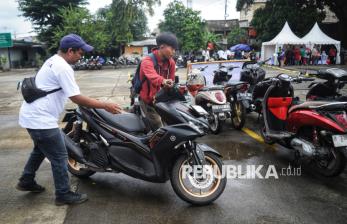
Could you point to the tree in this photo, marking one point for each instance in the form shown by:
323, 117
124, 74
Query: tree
269, 21
237, 36
44, 15
91, 28
339, 7
241, 3
127, 20
186, 24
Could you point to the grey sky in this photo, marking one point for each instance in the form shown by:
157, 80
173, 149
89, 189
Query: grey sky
10, 21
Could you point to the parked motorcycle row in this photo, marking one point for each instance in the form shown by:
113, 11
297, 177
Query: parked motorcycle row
97, 62
316, 130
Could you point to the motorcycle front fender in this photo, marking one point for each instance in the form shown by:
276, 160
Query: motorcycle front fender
206, 148
245, 103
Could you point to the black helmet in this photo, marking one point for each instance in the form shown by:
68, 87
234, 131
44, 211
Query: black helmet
168, 39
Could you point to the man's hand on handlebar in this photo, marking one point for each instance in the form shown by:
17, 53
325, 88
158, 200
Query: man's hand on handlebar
167, 83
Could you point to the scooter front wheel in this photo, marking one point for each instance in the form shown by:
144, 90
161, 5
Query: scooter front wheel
77, 169
198, 188
266, 139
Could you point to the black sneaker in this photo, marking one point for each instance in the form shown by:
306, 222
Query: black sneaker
71, 198
32, 187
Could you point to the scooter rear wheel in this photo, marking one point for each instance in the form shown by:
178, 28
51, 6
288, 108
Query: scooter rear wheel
331, 166
239, 115
194, 190
215, 124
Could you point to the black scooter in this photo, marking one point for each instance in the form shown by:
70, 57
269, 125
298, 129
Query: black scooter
173, 106
330, 89
236, 94
252, 73
98, 141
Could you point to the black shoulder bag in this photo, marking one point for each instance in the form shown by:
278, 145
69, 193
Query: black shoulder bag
30, 92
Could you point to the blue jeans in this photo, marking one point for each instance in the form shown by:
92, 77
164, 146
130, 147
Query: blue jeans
48, 143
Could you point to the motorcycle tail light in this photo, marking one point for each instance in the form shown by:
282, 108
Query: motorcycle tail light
219, 96
341, 118
182, 90
244, 87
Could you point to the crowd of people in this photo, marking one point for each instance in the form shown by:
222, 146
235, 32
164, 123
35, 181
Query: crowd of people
294, 55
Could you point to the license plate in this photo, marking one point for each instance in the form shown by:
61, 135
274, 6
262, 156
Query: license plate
340, 140
242, 96
221, 108
199, 109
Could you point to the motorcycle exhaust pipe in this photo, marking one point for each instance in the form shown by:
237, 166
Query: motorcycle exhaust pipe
74, 150
253, 107
304, 147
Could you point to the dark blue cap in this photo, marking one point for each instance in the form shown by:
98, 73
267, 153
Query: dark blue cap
74, 41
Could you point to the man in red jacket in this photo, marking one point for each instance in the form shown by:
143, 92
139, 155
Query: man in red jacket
161, 75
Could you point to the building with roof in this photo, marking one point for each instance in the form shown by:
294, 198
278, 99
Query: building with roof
23, 53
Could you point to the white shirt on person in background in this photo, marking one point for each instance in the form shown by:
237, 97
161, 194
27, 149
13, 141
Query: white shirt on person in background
44, 112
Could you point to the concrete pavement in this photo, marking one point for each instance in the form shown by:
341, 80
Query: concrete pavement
116, 198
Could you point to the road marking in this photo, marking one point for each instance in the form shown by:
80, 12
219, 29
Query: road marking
258, 138
281, 69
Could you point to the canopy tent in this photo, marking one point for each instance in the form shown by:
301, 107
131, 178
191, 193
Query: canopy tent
286, 36
316, 36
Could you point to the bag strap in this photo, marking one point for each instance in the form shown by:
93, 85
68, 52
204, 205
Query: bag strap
53, 91
47, 92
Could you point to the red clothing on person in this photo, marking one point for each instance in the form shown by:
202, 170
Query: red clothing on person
297, 55
332, 52
166, 70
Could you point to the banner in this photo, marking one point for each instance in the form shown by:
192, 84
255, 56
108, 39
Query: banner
214, 65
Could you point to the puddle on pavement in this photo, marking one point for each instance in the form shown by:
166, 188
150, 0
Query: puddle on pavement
231, 150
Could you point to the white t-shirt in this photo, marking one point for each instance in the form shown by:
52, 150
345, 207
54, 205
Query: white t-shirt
44, 112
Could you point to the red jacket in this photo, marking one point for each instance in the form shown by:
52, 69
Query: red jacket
166, 70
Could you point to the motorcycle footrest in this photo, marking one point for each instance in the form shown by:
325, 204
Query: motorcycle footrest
279, 135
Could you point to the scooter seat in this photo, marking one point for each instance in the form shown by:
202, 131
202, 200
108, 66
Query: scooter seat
127, 122
236, 83
211, 88
307, 105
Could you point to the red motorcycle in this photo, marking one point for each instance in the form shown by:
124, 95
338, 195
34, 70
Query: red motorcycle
316, 130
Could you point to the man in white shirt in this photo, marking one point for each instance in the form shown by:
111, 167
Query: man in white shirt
40, 118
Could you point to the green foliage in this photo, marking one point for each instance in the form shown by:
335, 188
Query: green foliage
81, 22
186, 24
270, 20
212, 37
44, 15
126, 20
122, 21
3, 61
241, 3
237, 36
339, 7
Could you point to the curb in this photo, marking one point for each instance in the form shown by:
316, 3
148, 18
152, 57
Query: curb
282, 69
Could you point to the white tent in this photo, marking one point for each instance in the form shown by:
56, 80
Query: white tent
286, 36
316, 36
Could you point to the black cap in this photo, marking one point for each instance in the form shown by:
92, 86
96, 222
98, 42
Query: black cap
168, 39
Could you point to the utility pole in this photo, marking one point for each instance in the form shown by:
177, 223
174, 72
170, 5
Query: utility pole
189, 4
225, 21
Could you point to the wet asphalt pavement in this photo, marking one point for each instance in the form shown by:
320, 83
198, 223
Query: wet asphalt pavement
117, 198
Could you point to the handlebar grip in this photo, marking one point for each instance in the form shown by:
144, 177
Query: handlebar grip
308, 79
